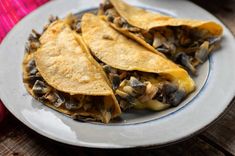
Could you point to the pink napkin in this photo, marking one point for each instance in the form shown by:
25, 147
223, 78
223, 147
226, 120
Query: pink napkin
12, 11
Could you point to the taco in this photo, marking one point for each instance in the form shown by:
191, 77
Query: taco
59, 71
185, 41
140, 78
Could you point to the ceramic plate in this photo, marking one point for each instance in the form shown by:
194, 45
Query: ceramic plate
215, 87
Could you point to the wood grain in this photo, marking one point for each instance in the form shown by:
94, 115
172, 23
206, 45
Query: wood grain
17, 139
222, 134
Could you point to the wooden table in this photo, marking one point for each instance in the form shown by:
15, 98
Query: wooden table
218, 139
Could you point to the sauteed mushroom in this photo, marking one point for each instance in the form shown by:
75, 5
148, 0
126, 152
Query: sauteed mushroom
115, 80
185, 61
202, 53
31, 67
175, 98
40, 88
55, 98
107, 5
73, 104
33, 78
138, 86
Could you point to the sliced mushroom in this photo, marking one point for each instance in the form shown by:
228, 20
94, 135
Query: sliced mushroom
184, 40
153, 105
129, 90
32, 38
77, 26
147, 36
108, 69
111, 14
124, 104
119, 21
72, 106
33, 78
31, 67
53, 19
55, 98
134, 29
121, 94
125, 96
169, 88
115, 79
158, 40
123, 83
163, 49
138, 86
33, 42
167, 48
150, 92
184, 60
202, 53
59, 100
188, 50
40, 88
148, 40
36, 34
160, 96
171, 47
170, 94
214, 40
175, 98
107, 5
110, 18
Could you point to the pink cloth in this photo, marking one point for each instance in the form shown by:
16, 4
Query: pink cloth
12, 11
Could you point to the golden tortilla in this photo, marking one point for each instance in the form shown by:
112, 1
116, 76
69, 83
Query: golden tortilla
147, 20
64, 62
122, 53
65, 66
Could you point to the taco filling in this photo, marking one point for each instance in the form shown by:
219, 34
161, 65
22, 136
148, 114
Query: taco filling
186, 44
139, 78
143, 90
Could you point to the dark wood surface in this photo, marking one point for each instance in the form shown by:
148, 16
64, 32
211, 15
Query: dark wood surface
218, 139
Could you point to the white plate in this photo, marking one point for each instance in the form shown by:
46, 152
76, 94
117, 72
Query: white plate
215, 87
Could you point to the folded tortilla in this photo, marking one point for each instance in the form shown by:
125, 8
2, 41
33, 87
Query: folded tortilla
164, 34
62, 74
147, 20
115, 50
